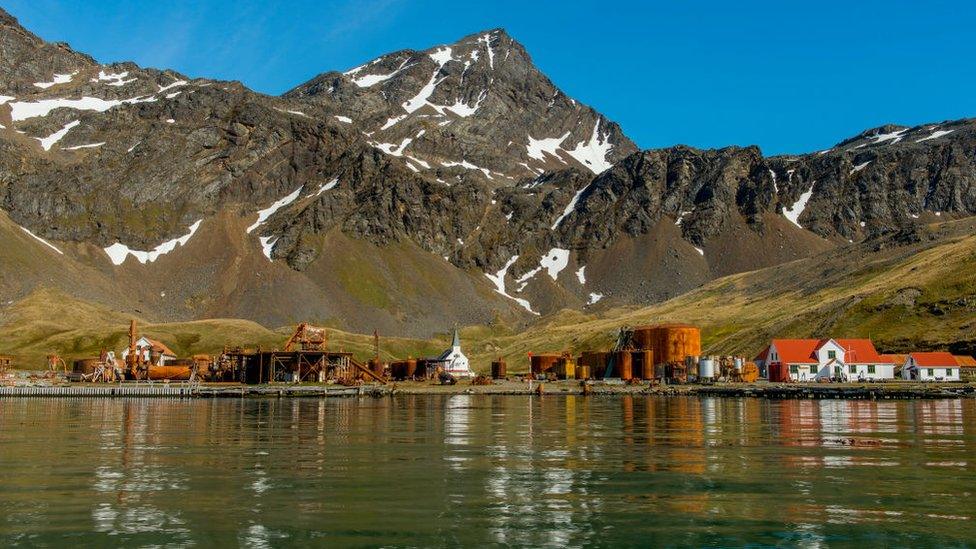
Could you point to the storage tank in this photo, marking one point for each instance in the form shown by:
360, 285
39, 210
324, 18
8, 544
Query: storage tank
411, 367
595, 361
643, 364
376, 366
403, 369
623, 365
170, 372
499, 370
706, 368
643, 337
565, 368
541, 364
583, 371
670, 342
738, 362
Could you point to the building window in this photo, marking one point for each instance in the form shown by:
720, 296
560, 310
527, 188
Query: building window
931, 372
814, 370
831, 355
948, 372
794, 369
870, 368
852, 369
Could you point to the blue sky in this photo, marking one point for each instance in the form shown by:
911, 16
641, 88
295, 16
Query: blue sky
786, 76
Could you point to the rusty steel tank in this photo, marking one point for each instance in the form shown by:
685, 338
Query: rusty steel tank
176, 371
670, 342
595, 361
403, 369
541, 364
583, 371
499, 370
623, 366
565, 367
411, 367
376, 366
643, 364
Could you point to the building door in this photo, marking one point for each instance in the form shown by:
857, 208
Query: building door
838, 372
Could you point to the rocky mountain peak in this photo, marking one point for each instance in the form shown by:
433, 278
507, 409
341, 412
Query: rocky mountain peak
475, 108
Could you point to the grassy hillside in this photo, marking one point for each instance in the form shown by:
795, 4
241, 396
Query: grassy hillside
49, 321
919, 294
906, 291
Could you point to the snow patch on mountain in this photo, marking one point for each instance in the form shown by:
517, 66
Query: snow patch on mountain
486, 39
593, 153
498, 279
935, 135
58, 79
570, 207
113, 79
793, 212
41, 240
175, 84
538, 147
118, 252
264, 214
86, 146
373, 79
327, 186
23, 110
894, 136
49, 141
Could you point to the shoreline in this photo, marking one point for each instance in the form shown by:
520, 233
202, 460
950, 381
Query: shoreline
845, 391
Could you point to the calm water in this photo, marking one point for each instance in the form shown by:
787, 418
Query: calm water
481, 470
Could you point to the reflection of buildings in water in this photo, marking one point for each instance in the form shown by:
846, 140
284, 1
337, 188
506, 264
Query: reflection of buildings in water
799, 426
536, 495
941, 417
457, 418
134, 468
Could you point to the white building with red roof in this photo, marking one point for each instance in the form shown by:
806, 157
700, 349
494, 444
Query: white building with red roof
934, 366
811, 359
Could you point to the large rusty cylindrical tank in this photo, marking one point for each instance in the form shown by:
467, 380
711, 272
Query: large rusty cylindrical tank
643, 337
623, 365
399, 368
410, 368
541, 364
583, 371
376, 366
499, 370
643, 362
595, 361
174, 372
670, 342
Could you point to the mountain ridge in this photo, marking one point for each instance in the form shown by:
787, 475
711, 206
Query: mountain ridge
505, 197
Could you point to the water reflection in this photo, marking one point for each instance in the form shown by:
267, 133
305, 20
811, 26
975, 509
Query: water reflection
468, 469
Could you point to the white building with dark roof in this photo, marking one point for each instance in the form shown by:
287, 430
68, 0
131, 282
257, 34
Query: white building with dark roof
453, 360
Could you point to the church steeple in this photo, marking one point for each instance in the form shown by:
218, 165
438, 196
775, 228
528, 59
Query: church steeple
457, 339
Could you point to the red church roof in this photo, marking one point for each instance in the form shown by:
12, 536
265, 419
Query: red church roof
936, 359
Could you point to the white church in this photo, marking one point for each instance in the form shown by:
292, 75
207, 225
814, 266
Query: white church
454, 361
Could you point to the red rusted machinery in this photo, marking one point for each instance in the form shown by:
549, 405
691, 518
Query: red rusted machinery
309, 338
